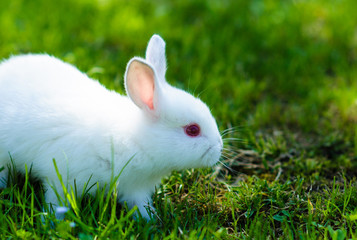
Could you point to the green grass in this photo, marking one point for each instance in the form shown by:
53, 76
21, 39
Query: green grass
281, 74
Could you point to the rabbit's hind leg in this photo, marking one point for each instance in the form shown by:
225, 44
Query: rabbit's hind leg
3, 176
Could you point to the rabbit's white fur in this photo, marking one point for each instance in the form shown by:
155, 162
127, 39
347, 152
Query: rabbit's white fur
50, 110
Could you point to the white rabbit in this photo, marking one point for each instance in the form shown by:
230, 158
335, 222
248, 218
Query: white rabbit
51, 110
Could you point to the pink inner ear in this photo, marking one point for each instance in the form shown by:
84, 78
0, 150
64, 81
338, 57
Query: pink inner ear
146, 88
141, 84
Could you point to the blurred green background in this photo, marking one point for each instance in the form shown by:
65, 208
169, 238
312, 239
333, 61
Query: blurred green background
260, 63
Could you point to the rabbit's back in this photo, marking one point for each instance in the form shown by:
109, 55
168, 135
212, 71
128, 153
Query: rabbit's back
40, 75
47, 106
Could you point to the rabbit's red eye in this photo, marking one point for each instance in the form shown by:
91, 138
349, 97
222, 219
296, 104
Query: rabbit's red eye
192, 130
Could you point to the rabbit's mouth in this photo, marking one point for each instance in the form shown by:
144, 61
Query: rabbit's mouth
206, 152
211, 156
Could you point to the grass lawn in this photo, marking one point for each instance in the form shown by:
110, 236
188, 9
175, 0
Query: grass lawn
281, 76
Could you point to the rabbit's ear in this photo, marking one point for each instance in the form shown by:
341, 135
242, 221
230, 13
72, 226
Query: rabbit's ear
140, 84
155, 55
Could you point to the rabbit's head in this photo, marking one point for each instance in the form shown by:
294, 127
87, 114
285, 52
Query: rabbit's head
178, 130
